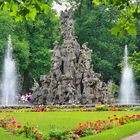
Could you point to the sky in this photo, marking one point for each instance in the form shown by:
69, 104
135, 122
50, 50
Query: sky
61, 7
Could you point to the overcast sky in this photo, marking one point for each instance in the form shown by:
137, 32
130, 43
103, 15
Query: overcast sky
59, 7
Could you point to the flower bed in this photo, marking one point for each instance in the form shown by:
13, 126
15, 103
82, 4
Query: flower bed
91, 128
12, 126
54, 109
88, 128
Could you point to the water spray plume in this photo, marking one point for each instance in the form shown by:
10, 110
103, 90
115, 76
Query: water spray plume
127, 89
9, 77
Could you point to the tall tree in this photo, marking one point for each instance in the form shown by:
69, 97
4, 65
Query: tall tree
31, 42
94, 26
39, 44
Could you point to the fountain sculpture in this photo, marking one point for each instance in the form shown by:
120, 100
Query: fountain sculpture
127, 89
9, 77
71, 79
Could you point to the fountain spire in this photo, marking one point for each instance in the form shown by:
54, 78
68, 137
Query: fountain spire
9, 77
126, 56
127, 88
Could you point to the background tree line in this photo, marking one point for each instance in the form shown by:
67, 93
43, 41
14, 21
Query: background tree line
35, 34
95, 24
31, 41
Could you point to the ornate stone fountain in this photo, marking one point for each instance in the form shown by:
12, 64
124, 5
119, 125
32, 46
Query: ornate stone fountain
71, 79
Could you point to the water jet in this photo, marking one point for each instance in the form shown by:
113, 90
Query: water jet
9, 78
127, 88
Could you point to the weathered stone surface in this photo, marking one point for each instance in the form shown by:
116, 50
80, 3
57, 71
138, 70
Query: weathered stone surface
72, 79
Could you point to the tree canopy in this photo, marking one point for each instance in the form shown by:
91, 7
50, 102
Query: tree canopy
32, 40
36, 27
98, 22
25, 9
94, 26
129, 13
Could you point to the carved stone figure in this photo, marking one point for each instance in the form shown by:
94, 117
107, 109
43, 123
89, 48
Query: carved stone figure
71, 79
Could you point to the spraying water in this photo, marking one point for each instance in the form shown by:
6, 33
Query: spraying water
9, 77
127, 89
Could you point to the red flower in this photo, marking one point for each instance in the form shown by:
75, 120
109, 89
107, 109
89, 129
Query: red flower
23, 131
108, 117
111, 120
5, 126
107, 127
81, 127
121, 123
91, 124
138, 115
18, 126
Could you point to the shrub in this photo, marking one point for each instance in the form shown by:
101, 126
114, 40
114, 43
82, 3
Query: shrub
101, 108
56, 134
135, 108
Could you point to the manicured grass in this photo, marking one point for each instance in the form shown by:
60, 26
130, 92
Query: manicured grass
63, 120
116, 133
69, 120
4, 135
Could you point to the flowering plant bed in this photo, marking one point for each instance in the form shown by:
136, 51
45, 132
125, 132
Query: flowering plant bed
68, 108
12, 126
91, 128
84, 129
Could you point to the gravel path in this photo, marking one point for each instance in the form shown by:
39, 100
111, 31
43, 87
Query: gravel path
133, 137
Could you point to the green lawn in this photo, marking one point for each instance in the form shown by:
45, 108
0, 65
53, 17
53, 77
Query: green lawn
4, 135
116, 133
63, 120
69, 120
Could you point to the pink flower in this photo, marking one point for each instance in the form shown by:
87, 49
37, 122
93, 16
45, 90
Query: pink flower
13, 131
76, 136
13, 121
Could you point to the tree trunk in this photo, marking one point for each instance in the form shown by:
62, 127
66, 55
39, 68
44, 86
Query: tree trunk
89, 4
80, 7
27, 82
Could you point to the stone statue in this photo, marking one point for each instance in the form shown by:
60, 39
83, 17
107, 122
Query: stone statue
71, 79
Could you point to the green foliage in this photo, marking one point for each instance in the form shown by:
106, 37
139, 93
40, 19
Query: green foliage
34, 36
135, 108
116, 133
135, 62
129, 13
21, 54
39, 42
25, 9
31, 42
101, 108
8, 136
56, 133
62, 120
115, 88
94, 26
